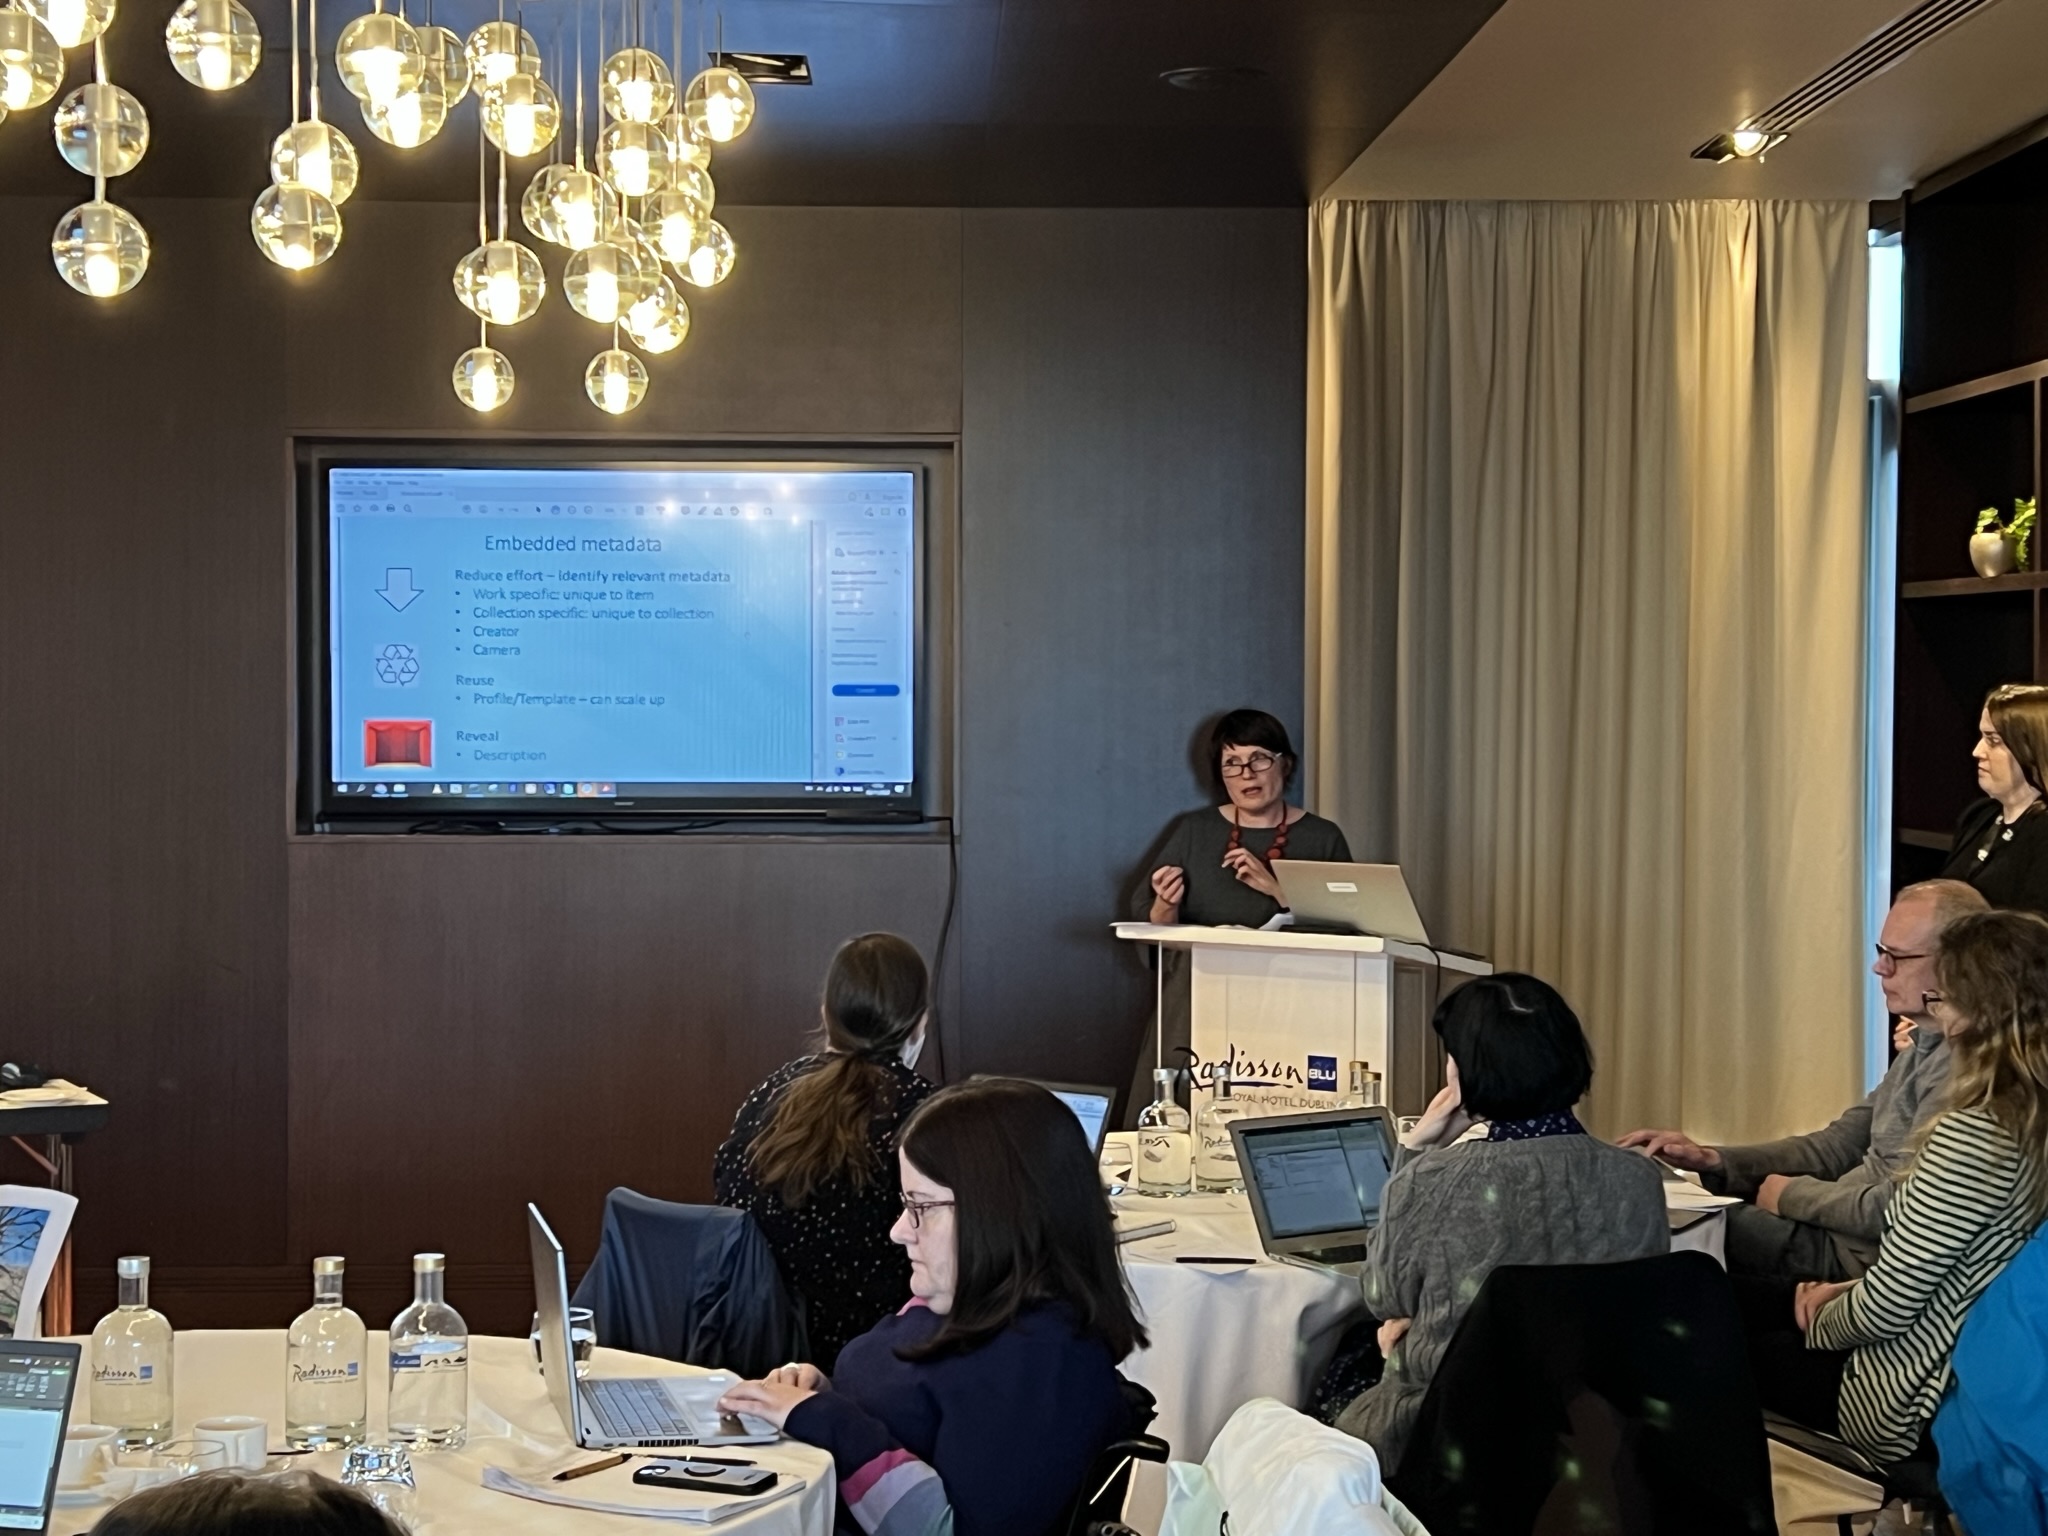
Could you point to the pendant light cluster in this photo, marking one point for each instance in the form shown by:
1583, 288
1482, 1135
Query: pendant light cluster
631, 204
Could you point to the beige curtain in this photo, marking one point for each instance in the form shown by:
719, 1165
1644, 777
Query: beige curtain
1585, 619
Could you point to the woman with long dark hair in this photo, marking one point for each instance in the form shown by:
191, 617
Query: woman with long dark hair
979, 1407
812, 1152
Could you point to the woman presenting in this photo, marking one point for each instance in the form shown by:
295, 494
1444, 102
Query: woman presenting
2001, 841
1216, 864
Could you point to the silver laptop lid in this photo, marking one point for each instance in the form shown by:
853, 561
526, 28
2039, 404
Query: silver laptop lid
37, 1378
551, 1301
1090, 1104
1373, 898
1316, 1180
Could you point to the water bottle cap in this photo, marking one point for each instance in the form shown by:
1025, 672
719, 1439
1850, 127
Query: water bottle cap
134, 1267
332, 1264
429, 1263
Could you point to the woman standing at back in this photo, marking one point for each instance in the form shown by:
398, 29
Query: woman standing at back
812, 1150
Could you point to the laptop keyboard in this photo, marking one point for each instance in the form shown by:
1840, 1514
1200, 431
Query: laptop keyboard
637, 1410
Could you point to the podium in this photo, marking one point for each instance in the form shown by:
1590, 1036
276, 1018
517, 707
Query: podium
1289, 1010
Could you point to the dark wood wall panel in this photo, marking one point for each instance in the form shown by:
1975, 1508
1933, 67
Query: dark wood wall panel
1132, 540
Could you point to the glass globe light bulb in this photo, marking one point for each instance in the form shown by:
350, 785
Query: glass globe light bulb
379, 57
100, 250
636, 86
616, 381
499, 50
295, 226
586, 209
214, 44
537, 207
605, 280
318, 156
676, 224
501, 281
101, 130
659, 322
443, 59
719, 104
483, 378
711, 263
634, 158
72, 22
410, 120
521, 115
686, 146
31, 63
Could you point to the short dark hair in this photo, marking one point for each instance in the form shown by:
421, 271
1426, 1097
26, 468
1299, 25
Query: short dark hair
1521, 1051
1031, 1222
1250, 728
233, 1504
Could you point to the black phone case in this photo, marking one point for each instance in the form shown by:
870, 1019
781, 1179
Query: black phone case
663, 1476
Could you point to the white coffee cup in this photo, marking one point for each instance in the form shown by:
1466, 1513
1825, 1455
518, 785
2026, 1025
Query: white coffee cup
84, 1454
245, 1440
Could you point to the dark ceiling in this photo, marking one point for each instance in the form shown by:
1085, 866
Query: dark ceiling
918, 102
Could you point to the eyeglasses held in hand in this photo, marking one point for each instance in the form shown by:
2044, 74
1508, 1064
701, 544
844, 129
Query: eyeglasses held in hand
1240, 767
915, 1209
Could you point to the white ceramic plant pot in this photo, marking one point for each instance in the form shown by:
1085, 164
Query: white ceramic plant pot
1991, 553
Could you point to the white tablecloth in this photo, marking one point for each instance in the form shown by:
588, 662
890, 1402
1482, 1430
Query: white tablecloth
511, 1421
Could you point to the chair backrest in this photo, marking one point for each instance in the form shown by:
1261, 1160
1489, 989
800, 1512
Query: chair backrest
1612, 1397
695, 1283
1100, 1499
33, 1225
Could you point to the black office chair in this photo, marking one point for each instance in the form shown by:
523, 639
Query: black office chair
1098, 1506
1916, 1480
1581, 1397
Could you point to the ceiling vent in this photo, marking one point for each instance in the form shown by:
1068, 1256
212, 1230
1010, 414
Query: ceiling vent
1876, 55
768, 68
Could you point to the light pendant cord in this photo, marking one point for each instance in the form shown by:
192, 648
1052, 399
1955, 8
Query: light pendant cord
313, 57
579, 84
483, 228
296, 82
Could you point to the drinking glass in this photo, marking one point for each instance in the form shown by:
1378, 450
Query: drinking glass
582, 1338
186, 1458
383, 1475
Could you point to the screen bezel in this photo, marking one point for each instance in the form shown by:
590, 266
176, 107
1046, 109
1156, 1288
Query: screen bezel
318, 809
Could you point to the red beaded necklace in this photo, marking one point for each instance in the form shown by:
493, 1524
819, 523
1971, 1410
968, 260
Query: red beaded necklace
1279, 848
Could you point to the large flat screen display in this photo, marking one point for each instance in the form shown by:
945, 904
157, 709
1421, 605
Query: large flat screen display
580, 641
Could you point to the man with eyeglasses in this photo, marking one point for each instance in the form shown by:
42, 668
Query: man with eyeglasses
1817, 1202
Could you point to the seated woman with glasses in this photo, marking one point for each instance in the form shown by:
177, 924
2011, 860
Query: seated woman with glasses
2001, 841
1874, 1360
1497, 1171
981, 1405
812, 1152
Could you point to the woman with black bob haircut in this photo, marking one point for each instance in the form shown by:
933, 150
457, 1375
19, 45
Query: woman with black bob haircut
979, 1407
1497, 1171
812, 1154
232, 1504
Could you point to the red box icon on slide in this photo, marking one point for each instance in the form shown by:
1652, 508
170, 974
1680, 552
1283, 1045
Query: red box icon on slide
398, 743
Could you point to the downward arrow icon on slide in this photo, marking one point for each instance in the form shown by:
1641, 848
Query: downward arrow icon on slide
398, 589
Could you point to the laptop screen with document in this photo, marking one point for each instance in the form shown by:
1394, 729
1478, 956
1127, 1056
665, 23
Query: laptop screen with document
37, 1379
1314, 1175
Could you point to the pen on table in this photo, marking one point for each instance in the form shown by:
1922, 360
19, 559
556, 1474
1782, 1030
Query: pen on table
600, 1465
1210, 1258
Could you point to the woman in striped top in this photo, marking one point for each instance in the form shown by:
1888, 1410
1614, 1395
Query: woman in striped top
1971, 1198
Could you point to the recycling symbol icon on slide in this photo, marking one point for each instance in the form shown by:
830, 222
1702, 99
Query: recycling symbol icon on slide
398, 665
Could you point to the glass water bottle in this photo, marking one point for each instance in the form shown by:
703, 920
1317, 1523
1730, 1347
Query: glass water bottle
1165, 1147
1216, 1166
132, 1352
429, 1364
326, 1388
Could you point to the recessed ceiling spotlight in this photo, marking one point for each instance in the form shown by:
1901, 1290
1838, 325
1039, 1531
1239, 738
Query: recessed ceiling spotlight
1211, 77
1740, 144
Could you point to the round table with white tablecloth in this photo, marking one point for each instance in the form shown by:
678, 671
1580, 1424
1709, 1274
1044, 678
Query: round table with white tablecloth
511, 1423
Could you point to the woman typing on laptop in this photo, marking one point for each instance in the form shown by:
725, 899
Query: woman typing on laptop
979, 1407
1498, 1171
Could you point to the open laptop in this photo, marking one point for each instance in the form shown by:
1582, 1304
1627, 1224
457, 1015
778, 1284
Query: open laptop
37, 1377
1350, 898
650, 1411
1315, 1181
1091, 1106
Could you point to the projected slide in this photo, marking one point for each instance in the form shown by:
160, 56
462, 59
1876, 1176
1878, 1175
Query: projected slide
607, 633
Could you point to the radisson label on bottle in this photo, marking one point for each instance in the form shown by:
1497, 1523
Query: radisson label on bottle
322, 1374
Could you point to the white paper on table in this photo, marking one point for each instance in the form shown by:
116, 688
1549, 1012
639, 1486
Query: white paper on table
613, 1491
1683, 1195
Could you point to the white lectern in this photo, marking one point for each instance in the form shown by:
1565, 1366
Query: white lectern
1288, 1010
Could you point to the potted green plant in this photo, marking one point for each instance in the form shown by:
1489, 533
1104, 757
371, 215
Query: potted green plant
2000, 546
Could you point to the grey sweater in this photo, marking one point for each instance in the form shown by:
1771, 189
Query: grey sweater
1454, 1214
1843, 1176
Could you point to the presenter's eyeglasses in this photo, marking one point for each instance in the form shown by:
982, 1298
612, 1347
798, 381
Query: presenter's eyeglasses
915, 1209
1239, 767
1898, 957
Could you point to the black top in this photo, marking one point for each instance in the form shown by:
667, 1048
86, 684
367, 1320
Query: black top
1214, 895
834, 1249
2013, 869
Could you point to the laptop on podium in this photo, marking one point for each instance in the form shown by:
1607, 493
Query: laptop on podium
1316, 1181
1350, 898
645, 1411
